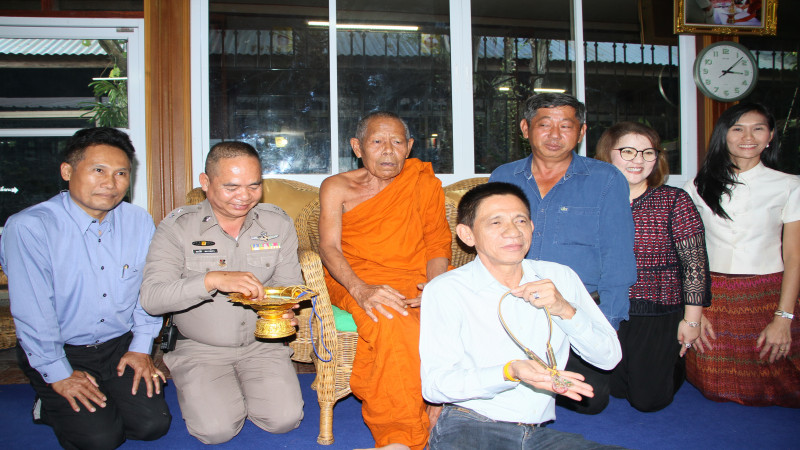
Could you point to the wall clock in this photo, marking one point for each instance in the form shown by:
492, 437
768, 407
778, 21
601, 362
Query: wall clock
725, 71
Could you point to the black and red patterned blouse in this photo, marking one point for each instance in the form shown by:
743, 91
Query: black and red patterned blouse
670, 251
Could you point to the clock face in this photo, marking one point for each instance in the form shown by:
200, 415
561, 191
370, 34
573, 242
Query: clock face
725, 71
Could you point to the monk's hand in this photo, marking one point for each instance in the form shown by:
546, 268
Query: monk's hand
382, 298
416, 301
80, 387
290, 315
537, 376
244, 283
144, 370
543, 293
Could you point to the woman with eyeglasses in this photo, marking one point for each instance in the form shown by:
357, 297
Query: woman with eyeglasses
752, 214
673, 281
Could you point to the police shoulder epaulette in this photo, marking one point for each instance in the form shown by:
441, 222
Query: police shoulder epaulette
180, 212
269, 207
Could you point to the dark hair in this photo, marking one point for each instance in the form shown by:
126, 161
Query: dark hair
229, 149
610, 137
552, 100
468, 206
717, 175
87, 137
361, 128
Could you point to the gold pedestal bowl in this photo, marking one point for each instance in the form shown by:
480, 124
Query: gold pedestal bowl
277, 301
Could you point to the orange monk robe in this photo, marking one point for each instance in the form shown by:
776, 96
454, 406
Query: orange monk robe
389, 239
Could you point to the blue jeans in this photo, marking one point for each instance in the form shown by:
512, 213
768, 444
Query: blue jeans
460, 428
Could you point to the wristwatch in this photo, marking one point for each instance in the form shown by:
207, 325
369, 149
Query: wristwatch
784, 314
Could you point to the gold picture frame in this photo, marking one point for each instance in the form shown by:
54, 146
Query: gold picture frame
726, 17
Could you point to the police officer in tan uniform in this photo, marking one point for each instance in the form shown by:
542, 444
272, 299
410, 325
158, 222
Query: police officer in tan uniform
228, 243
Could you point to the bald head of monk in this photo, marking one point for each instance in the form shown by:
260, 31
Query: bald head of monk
383, 143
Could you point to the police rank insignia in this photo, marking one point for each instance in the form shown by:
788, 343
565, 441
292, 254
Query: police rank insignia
265, 246
264, 236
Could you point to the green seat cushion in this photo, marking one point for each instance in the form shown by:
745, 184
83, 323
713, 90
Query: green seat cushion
343, 319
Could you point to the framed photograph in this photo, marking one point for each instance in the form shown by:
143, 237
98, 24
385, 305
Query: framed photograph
730, 17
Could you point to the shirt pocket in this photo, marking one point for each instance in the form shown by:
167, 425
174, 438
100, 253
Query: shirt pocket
205, 263
262, 264
578, 225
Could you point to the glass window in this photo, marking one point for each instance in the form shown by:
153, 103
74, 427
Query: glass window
269, 82
98, 5
405, 71
29, 172
777, 88
63, 83
516, 52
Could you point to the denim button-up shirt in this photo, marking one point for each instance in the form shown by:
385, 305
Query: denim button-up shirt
583, 222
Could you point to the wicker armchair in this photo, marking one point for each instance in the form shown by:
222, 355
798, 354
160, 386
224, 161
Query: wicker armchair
453, 192
337, 347
274, 190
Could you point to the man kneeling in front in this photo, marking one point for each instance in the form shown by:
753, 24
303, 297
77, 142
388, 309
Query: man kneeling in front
494, 395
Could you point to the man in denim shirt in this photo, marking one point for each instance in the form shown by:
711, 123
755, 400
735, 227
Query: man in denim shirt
581, 216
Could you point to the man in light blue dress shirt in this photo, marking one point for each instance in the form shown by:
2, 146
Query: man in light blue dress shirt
494, 396
581, 215
74, 266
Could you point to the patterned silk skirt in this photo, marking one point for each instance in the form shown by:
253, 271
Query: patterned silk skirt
741, 306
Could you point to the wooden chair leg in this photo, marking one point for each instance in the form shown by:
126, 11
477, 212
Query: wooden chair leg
325, 423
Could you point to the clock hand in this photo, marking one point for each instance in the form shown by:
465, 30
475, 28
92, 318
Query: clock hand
732, 66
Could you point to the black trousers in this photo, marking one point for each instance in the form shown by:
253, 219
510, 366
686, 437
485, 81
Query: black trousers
651, 370
599, 379
125, 416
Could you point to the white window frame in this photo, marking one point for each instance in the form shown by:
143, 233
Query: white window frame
105, 28
461, 76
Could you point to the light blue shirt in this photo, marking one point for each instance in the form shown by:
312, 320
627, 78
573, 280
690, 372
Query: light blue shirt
584, 222
463, 346
75, 281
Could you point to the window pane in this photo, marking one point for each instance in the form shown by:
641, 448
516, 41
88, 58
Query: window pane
515, 51
98, 5
629, 81
29, 172
405, 72
778, 88
63, 83
269, 83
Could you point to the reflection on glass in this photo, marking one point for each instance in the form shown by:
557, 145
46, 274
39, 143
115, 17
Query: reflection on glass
509, 65
269, 83
404, 72
29, 172
632, 82
63, 83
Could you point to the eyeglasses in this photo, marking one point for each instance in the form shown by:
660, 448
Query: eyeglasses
629, 153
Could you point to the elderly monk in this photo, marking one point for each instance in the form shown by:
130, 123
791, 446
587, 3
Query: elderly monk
383, 236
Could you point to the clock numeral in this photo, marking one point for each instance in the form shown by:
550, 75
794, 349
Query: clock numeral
745, 63
725, 51
708, 81
705, 71
707, 61
716, 53
747, 72
716, 89
736, 90
726, 93
744, 83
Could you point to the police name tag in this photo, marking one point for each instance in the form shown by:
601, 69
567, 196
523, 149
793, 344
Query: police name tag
265, 246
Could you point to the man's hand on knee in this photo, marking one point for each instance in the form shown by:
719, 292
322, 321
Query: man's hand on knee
369, 296
80, 387
143, 369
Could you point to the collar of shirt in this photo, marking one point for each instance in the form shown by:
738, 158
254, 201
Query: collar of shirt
83, 220
751, 174
207, 211
483, 279
576, 167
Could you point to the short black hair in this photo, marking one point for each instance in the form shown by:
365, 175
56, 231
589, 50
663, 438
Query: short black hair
552, 100
87, 137
361, 128
468, 206
229, 149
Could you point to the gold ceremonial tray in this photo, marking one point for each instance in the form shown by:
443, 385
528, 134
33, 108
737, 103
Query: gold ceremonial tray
277, 301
